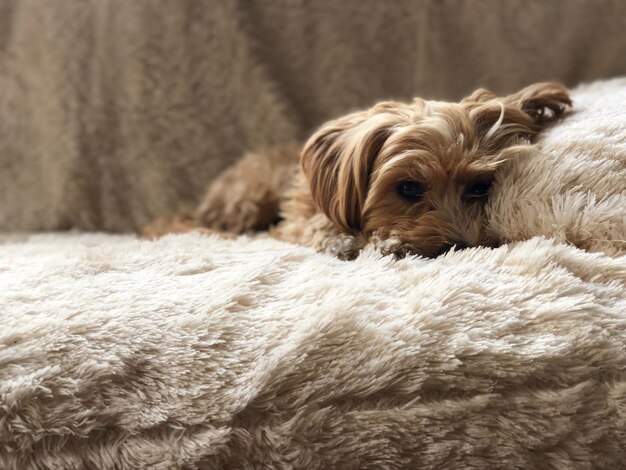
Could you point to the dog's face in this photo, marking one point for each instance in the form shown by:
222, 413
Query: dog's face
421, 173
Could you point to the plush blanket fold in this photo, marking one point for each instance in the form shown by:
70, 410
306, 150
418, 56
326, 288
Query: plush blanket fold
195, 352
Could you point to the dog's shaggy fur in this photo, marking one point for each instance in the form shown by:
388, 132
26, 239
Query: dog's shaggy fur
351, 187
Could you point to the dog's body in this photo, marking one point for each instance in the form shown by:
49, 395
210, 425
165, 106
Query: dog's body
271, 193
410, 178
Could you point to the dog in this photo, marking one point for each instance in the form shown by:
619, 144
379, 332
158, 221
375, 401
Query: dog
410, 178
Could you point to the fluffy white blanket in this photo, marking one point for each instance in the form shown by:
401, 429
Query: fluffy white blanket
194, 352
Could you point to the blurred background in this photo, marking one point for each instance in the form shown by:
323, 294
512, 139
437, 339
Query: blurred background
113, 112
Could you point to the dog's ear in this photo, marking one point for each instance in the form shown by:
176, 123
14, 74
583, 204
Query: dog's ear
543, 102
522, 114
338, 159
479, 96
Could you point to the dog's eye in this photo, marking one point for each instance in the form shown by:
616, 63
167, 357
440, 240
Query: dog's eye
478, 190
411, 190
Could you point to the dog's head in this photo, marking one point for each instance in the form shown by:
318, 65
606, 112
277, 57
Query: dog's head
421, 173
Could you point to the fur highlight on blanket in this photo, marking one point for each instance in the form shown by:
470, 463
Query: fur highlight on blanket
198, 352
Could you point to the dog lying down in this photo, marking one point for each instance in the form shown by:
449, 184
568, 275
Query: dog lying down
410, 178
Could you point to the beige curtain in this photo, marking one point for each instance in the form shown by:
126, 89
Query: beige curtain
115, 111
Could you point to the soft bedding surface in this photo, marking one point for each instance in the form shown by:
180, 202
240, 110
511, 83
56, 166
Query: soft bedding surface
196, 352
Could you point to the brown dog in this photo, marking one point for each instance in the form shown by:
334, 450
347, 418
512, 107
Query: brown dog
411, 178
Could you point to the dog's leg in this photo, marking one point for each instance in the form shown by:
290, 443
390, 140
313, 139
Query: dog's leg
247, 195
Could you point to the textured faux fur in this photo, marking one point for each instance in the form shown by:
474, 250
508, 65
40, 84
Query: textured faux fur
114, 112
572, 186
198, 352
